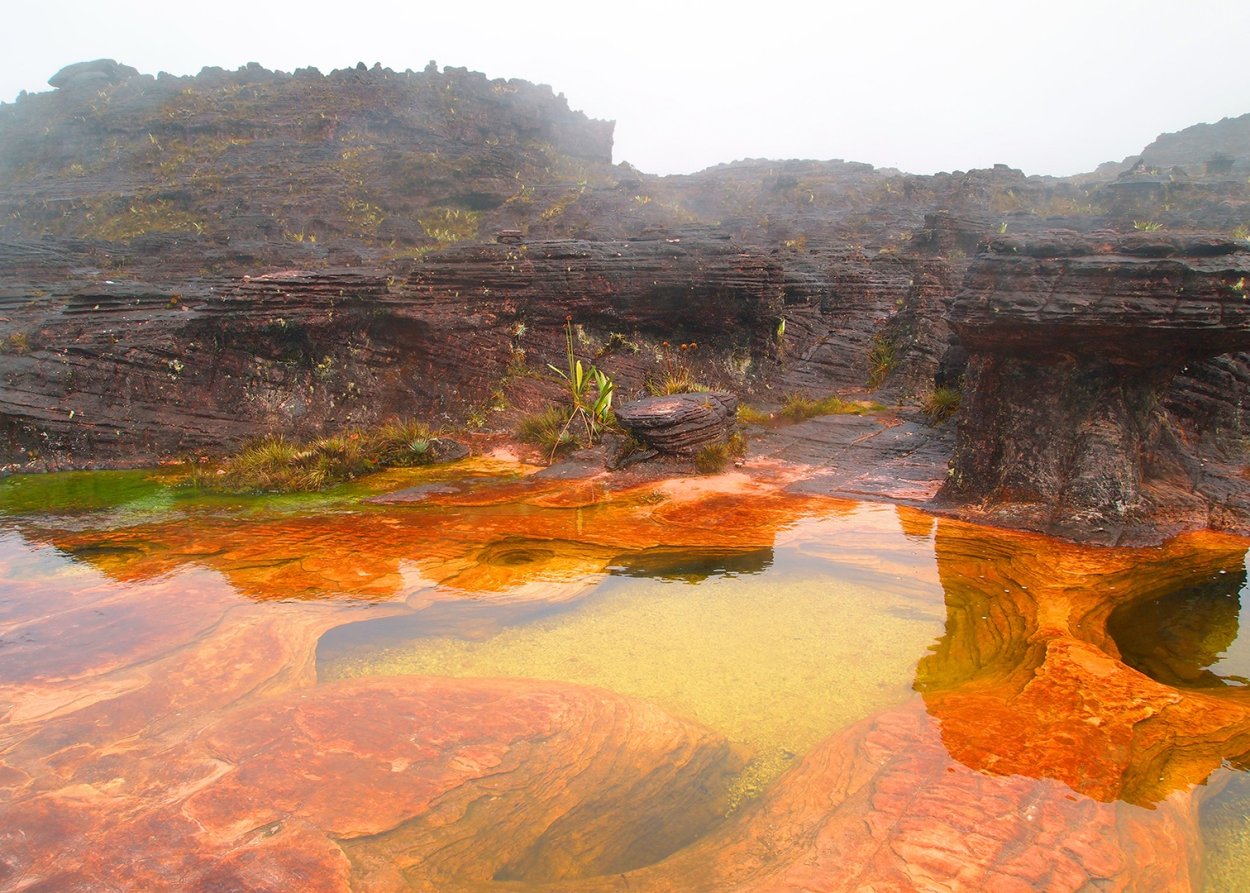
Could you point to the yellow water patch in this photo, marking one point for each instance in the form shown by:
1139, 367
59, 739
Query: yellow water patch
1226, 835
774, 662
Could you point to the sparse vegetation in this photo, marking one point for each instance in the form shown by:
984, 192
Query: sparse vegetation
1147, 226
675, 375
715, 457
749, 415
880, 361
16, 343
797, 407
940, 404
447, 225
277, 465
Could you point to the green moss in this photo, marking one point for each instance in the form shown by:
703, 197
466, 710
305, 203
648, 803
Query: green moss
76, 491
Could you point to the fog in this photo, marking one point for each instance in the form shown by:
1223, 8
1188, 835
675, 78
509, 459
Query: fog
1052, 88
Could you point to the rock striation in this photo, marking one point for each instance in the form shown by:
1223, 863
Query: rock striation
680, 424
189, 262
1073, 342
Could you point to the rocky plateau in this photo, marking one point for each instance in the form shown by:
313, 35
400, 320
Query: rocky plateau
187, 263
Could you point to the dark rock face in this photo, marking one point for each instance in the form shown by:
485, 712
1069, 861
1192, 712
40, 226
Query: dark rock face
130, 367
1072, 345
680, 424
443, 226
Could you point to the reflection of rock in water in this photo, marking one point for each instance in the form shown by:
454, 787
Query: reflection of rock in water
691, 564
1027, 678
1181, 638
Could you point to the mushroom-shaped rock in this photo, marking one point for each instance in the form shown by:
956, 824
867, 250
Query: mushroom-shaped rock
1072, 341
91, 75
680, 424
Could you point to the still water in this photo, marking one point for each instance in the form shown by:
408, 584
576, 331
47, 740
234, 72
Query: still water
471, 678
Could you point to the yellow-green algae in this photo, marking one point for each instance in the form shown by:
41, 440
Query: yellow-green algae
776, 662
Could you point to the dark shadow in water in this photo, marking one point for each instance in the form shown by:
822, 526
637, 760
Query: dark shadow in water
1187, 638
480, 620
470, 620
691, 565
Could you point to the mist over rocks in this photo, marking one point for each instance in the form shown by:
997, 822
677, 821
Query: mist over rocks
188, 262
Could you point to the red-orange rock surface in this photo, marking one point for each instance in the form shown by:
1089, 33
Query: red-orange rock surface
432, 780
203, 756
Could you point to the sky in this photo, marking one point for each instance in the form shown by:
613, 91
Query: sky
1051, 86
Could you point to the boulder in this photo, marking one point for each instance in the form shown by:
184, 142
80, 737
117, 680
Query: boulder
681, 424
93, 75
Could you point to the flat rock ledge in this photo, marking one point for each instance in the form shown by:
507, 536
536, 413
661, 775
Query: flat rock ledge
681, 424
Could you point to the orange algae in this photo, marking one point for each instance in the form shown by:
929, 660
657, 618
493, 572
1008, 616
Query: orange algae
177, 618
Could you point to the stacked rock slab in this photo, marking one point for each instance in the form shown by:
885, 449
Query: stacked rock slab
680, 424
1072, 342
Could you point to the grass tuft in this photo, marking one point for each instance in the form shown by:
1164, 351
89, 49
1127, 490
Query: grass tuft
548, 430
940, 404
798, 407
277, 465
880, 361
715, 457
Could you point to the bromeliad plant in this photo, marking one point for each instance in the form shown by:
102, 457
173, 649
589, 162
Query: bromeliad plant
590, 394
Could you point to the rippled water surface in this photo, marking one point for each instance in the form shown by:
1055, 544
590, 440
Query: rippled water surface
814, 671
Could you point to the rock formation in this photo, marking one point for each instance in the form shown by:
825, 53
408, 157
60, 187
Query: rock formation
680, 424
176, 277
1073, 343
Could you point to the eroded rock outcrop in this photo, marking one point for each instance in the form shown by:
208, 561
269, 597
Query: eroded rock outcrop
680, 424
1073, 342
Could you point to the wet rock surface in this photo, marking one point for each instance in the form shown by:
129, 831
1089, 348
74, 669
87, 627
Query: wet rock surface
206, 755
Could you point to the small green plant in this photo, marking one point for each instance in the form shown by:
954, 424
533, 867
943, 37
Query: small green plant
715, 457
940, 404
880, 361
590, 392
401, 443
749, 415
1147, 226
1242, 232
548, 430
675, 376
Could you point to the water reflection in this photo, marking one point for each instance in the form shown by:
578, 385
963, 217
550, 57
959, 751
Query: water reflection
1061, 689
1187, 638
1027, 677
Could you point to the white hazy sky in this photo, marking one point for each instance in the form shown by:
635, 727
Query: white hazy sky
1050, 86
